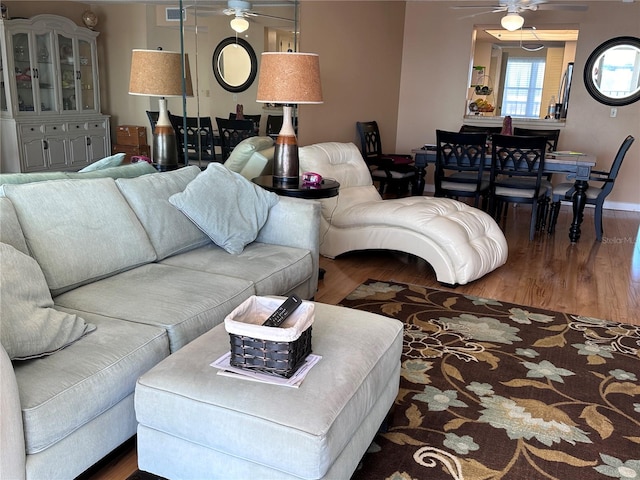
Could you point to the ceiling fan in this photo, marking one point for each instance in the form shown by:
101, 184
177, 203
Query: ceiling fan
237, 8
513, 20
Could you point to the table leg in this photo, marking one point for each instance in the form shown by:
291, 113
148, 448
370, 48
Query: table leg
579, 201
418, 186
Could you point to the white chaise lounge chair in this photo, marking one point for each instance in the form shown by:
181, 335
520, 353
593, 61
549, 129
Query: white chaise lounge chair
460, 242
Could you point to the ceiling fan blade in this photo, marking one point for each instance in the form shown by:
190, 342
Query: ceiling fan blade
462, 7
275, 17
486, 12
563, 6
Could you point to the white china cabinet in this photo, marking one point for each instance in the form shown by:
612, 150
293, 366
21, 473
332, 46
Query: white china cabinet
50, 115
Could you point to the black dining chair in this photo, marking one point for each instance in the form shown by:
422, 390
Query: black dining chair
595, 196
200, 139
460, 166
552, 135
232, 132
480, 129
274, 125
254, 118
392, 171
517, 166
153, 119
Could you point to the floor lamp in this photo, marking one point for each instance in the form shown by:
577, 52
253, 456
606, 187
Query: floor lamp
158, 73
288, 78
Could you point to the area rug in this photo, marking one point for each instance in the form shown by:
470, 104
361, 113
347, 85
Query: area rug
492, 390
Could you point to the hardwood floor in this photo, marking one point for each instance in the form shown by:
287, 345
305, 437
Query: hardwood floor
588, 278
597, 279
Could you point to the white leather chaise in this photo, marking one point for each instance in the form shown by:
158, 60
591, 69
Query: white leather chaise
460, 242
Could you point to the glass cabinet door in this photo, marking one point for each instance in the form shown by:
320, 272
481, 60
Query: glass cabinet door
45, 73
87, 86
68, 73
23, 75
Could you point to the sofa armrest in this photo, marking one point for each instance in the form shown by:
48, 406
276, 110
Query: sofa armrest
294, 222
12, 449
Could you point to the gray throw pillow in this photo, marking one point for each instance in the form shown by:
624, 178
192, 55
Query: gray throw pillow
29, 326
226, 206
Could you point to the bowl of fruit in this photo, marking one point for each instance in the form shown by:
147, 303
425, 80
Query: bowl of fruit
480, 105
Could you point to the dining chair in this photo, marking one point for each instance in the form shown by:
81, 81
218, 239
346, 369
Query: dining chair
200, 139
515, 162
595, 196
392, 171
232, 132
153, 119
460, 166
254, 118
552, 135
274, 125
480, 129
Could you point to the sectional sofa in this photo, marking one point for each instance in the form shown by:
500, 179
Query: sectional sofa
104, 277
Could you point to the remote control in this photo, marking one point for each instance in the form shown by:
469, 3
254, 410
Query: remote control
283, 311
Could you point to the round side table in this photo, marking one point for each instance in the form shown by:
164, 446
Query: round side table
328, 188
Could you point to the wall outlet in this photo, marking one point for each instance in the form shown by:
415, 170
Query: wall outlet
614, 112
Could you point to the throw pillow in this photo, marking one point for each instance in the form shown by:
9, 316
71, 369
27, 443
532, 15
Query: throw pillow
226, 206
242, 152
29, 326
112, 161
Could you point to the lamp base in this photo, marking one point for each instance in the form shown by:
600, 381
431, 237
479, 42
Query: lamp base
286, 164
165, 148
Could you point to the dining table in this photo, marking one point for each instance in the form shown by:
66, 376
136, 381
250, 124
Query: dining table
575, 166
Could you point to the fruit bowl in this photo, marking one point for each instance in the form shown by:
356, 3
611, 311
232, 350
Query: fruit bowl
481, 106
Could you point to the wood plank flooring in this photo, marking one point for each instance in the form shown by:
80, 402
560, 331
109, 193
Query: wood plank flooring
588, 278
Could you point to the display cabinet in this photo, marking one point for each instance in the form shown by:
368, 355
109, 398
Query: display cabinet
50, 96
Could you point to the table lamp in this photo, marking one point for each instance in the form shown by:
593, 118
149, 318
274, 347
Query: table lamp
158, 73
288, 78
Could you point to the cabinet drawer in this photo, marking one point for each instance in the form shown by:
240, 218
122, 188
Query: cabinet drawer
76, 126
54, 128
31, 130
97, 126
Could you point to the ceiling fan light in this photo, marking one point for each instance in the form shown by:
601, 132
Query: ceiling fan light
512, 21
239, 24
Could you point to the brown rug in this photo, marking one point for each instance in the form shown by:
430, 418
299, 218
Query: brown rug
491, 390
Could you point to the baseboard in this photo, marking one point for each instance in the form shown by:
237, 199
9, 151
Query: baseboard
622, 206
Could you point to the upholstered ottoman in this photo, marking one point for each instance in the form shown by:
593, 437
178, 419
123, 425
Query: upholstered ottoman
194, 423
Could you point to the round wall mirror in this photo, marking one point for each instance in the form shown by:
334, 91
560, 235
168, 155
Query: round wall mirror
612, 71
234, 64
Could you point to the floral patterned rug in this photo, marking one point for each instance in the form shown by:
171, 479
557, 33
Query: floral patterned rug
491, 390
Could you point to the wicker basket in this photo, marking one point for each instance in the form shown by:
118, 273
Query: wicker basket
266, 356
273, 350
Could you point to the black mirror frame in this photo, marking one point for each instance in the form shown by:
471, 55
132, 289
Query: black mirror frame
590, 64
252, 57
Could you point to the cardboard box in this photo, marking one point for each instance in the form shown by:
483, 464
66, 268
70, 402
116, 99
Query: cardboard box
130, 150
131, 135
